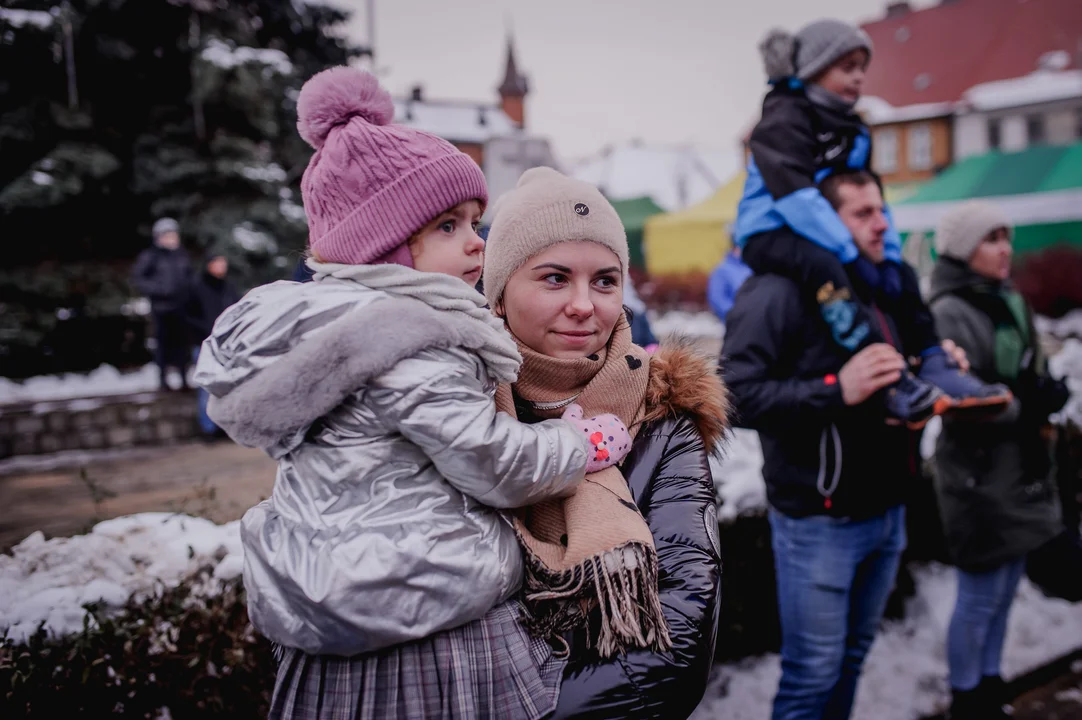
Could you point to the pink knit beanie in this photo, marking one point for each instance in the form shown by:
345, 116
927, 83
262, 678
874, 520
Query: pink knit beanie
371, 185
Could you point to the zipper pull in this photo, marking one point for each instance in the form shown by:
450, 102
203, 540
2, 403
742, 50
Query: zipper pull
827, 503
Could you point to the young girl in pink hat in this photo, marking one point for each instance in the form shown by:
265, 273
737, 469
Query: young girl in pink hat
382, 567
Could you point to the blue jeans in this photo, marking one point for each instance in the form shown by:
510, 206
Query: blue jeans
205, 423
834, 577
979, 623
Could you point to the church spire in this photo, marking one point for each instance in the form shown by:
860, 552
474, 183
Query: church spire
514, 83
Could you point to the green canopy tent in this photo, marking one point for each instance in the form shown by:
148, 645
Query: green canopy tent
1039, 188
633, 214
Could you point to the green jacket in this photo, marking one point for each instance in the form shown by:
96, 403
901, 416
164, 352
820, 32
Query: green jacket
997, 498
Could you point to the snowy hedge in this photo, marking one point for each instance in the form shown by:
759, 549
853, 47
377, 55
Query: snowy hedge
180, 654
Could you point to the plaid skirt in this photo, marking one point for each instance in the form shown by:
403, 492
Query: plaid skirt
490, 668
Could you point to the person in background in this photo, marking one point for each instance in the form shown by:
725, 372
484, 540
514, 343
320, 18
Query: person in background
997, 498
837, 475
162, 273
210, 294
726, 279
808, 132
641, 332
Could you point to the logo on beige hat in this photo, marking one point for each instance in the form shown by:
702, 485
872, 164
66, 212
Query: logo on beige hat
582, 209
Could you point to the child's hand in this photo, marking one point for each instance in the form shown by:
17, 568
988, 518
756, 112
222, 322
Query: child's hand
609, 439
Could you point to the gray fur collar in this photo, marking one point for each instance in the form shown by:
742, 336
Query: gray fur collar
274, 408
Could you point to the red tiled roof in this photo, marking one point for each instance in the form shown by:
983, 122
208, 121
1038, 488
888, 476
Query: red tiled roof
936, 54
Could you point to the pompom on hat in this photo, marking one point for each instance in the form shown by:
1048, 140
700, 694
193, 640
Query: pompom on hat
371, 184
812, 50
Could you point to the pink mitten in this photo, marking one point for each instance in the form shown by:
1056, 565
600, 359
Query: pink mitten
609, 439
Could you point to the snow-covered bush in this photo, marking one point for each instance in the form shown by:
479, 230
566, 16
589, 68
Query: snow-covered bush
178, 654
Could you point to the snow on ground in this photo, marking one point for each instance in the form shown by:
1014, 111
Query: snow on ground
737, 466
687, 324
737, 469
1067, 363
102, 382
1070, 325
905, 675
49, 581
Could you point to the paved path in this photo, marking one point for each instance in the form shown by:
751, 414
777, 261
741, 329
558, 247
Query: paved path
218, 481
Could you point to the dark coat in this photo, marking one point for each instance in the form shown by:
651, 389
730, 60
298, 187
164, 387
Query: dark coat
162, 276
821, 457
997, 497
669, 475
207, 299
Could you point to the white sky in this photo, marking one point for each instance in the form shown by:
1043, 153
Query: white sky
600, 71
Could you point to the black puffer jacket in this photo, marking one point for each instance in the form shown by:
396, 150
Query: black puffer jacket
670, 478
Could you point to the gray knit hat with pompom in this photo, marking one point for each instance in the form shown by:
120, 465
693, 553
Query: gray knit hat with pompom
812, 50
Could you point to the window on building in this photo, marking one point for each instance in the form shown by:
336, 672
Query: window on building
919, 146
1035, 129
995, 133
885, 159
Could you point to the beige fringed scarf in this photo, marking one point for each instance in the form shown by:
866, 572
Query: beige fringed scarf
593, 549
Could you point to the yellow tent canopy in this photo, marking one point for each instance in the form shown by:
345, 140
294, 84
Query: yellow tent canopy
695, 239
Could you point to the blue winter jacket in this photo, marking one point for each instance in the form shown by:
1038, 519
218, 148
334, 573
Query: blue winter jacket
726, 279
795, 146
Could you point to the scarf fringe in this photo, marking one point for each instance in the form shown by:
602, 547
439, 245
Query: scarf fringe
622, 585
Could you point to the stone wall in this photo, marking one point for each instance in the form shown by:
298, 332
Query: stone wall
97, 423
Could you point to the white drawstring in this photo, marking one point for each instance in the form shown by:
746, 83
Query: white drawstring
820, 483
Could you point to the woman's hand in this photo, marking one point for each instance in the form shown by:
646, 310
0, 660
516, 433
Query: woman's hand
957, 354
609, 440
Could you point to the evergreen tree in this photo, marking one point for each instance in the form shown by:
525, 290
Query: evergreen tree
116, 112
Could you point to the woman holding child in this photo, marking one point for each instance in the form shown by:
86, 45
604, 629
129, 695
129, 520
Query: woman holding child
505, 514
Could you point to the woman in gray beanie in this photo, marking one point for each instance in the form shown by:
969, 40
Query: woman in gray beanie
993, 476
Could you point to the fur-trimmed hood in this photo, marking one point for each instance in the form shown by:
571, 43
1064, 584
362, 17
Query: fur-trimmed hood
685, 381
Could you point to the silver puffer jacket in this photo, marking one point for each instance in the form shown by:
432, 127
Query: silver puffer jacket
381, 528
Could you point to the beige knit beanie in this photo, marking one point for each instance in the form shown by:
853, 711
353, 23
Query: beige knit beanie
961, 229
547, 208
